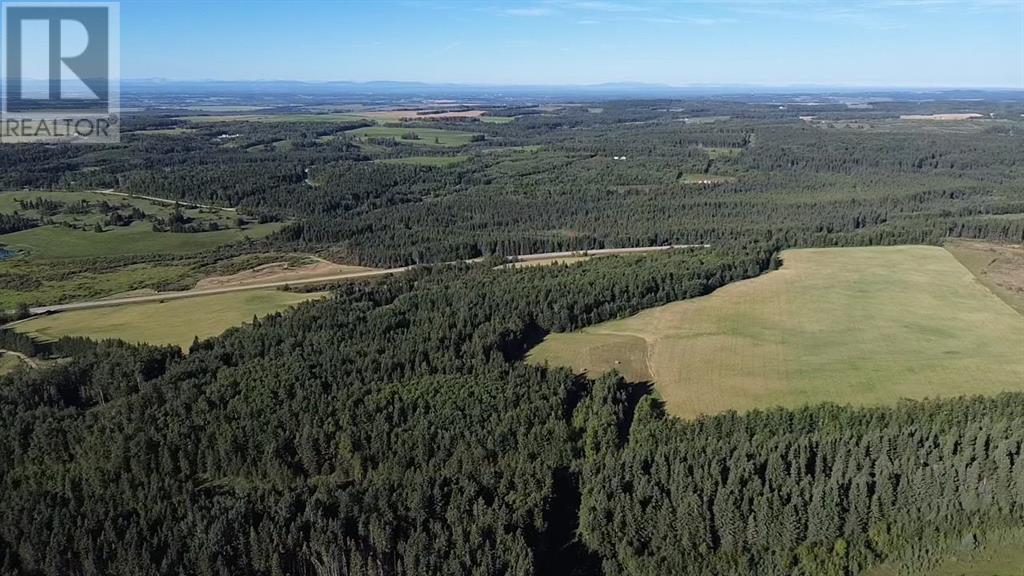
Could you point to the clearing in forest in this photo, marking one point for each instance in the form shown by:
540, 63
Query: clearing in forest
418, 136
175, 322
860, 326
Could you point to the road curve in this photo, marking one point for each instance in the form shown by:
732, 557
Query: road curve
163, 296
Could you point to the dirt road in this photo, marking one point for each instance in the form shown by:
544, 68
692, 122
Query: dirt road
163, 200
162, 296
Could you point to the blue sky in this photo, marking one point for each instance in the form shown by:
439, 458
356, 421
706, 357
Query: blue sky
929, 43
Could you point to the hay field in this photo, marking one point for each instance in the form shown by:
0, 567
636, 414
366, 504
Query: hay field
174, 322
859, 326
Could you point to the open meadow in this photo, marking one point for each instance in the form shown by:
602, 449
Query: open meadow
1003, 557
46, 242
424, 136
860, 326
175, 322
91, 244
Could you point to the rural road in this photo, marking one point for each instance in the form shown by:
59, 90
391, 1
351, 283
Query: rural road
162, 200
163, 296
26, 359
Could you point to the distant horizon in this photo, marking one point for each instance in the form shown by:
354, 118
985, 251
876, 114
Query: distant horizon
623, 83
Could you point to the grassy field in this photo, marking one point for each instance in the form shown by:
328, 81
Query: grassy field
9, 363
80, 241
857, 326
69, 260
174, 322
1002, 558
428, 136
326, 117
566, 260
441, 161
55, 284
138, 238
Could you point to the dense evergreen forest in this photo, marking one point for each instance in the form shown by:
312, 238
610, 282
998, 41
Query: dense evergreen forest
393, 429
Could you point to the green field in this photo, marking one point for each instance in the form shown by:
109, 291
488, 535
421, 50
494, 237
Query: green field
861, 326
80, 241
68, 260
327, 117
54, 283
47, 242
427, 136
441, 161
497, 119
1002, 558
9, 363
174, 322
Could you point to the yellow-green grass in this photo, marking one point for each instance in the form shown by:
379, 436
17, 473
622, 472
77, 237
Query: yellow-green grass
497, 119
440, 161
9, 202
139, 238
1002, 558
9, 363
427, 136
862, 326
76, 284
566, 260
175, 322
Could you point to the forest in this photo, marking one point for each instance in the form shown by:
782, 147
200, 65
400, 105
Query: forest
388, 432
393, 428
694, 172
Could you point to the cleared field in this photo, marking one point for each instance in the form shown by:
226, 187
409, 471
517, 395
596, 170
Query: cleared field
326, 117
138, 238
857, 326
546, 262
999, 267
1002, 558
441, 161
959, 116
174, 322
51, 283
278, 272
419, 114
427, 136
9, 363
78, 240
706, 179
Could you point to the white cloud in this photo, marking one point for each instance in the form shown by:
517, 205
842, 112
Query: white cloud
604, 6
530, 11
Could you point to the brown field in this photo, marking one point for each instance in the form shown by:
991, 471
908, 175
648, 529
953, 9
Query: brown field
278, 272
966, 116
999, 267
